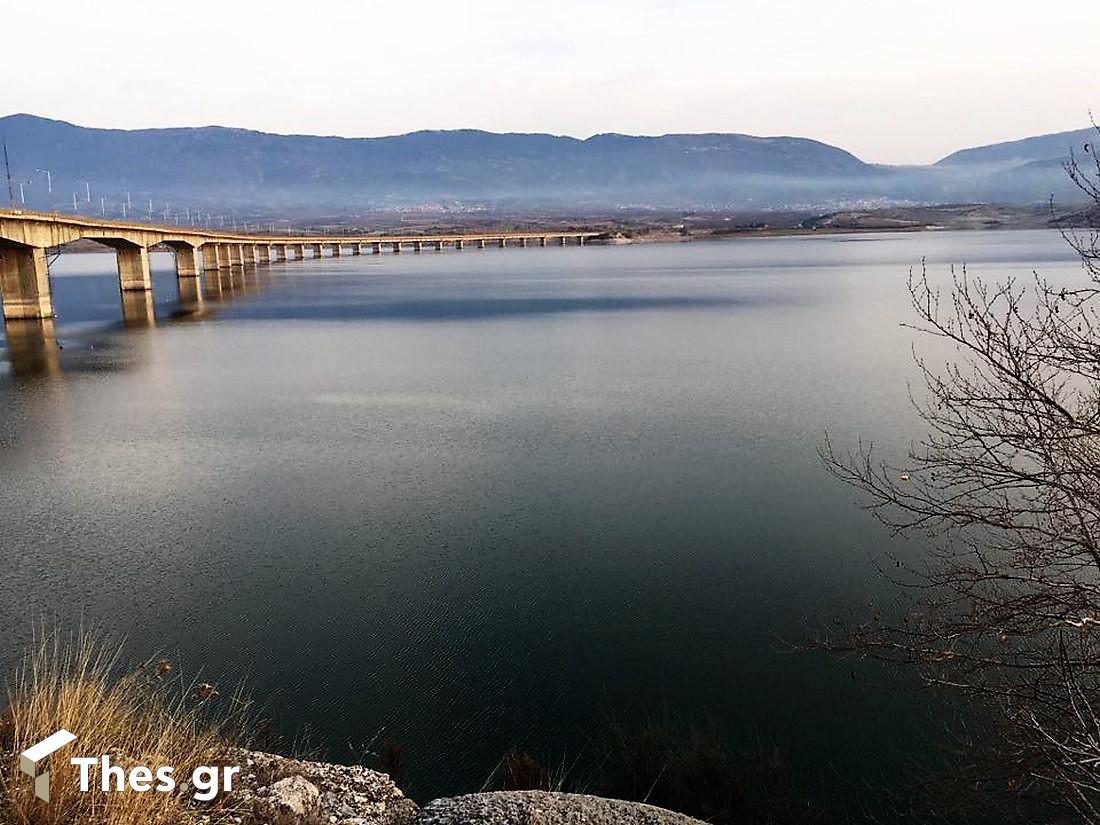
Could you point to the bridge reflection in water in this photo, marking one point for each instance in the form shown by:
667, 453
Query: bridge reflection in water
35, 351
137, 310
32, 347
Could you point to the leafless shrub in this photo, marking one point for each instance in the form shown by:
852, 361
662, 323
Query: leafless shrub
1005, 486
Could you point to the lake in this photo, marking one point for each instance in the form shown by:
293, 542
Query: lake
469, 501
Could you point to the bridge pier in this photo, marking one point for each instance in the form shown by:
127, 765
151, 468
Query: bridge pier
280, 253
523, 243
299, 251
458, 244
336, 250
25, 282
233, 255
211, 257
418, 246
357, 248
580, 240
502, 243
563, 240
263, 253
542, 241
248, 254
397, 247
317, 251
188, 283
481, 243
133, 267
187, 265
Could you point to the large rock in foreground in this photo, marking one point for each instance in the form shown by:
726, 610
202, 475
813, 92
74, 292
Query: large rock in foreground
290, 801
544, 808
275, 790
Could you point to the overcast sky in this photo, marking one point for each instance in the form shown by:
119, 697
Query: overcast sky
890, 81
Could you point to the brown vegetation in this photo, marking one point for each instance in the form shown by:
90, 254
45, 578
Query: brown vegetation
137, 718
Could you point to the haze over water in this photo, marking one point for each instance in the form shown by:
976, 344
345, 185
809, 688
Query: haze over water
486, 499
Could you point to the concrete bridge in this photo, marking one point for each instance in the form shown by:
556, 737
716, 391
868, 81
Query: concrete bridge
26, 237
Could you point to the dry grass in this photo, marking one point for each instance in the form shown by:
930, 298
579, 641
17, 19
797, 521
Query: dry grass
137, 718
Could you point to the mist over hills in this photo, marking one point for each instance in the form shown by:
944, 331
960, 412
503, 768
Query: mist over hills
224, 169
1040, 148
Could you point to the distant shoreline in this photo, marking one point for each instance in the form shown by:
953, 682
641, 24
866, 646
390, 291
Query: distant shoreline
708, 226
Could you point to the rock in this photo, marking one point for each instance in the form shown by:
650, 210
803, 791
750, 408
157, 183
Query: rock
544, 808
276, 790
290, 801
341, 794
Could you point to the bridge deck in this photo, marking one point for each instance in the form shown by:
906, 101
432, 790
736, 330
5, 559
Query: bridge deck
91, 227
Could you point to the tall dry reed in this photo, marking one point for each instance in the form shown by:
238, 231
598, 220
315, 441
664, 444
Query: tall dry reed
141, 717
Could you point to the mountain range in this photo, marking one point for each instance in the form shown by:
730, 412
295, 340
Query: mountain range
216, 168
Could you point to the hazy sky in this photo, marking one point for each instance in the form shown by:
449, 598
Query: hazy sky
890, 81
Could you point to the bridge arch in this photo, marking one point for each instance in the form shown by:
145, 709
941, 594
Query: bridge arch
133, 263
186, 254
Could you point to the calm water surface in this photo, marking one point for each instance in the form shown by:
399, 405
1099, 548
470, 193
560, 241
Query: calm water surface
483, 499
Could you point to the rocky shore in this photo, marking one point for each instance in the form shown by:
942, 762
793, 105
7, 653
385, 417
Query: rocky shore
276, 790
